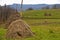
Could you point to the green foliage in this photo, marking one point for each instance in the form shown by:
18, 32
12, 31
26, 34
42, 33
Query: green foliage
30, 9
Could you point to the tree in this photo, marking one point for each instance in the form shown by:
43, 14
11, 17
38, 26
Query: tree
30, 8
6, 12
47, 7
54, 7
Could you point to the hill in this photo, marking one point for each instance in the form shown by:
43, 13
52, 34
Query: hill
26, 6
34, 6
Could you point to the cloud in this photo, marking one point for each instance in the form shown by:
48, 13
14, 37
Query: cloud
58, 1
2, 2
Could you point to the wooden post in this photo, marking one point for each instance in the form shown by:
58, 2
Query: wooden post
21, 10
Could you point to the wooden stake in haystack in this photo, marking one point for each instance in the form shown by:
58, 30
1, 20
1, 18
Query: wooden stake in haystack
18, 28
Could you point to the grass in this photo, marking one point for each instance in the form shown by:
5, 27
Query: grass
45, 32
2, 34
41, 31
55, 13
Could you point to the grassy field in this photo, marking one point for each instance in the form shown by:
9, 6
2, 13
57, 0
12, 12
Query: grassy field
43, 29
55, 13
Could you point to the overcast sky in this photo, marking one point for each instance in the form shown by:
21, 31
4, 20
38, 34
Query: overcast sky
2, 2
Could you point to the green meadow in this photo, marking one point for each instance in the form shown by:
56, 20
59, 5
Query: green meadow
55, 13
43, 30
43, 27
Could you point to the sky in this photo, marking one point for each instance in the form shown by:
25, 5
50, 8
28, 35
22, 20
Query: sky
9, 2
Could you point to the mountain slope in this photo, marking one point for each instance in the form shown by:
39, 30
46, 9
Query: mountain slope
34, 6
26, 6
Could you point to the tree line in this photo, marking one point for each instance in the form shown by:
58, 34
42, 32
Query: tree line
7, 13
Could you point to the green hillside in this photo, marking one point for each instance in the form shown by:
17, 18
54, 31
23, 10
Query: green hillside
55, 13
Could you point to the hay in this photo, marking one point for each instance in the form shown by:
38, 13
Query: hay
18, 28
12, 18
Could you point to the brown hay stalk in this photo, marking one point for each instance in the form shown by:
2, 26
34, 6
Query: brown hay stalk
18, 28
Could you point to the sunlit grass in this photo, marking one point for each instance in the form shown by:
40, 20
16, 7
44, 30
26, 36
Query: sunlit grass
41, 31
55, 13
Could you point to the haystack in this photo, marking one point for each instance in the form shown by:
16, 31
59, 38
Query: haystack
18, 28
